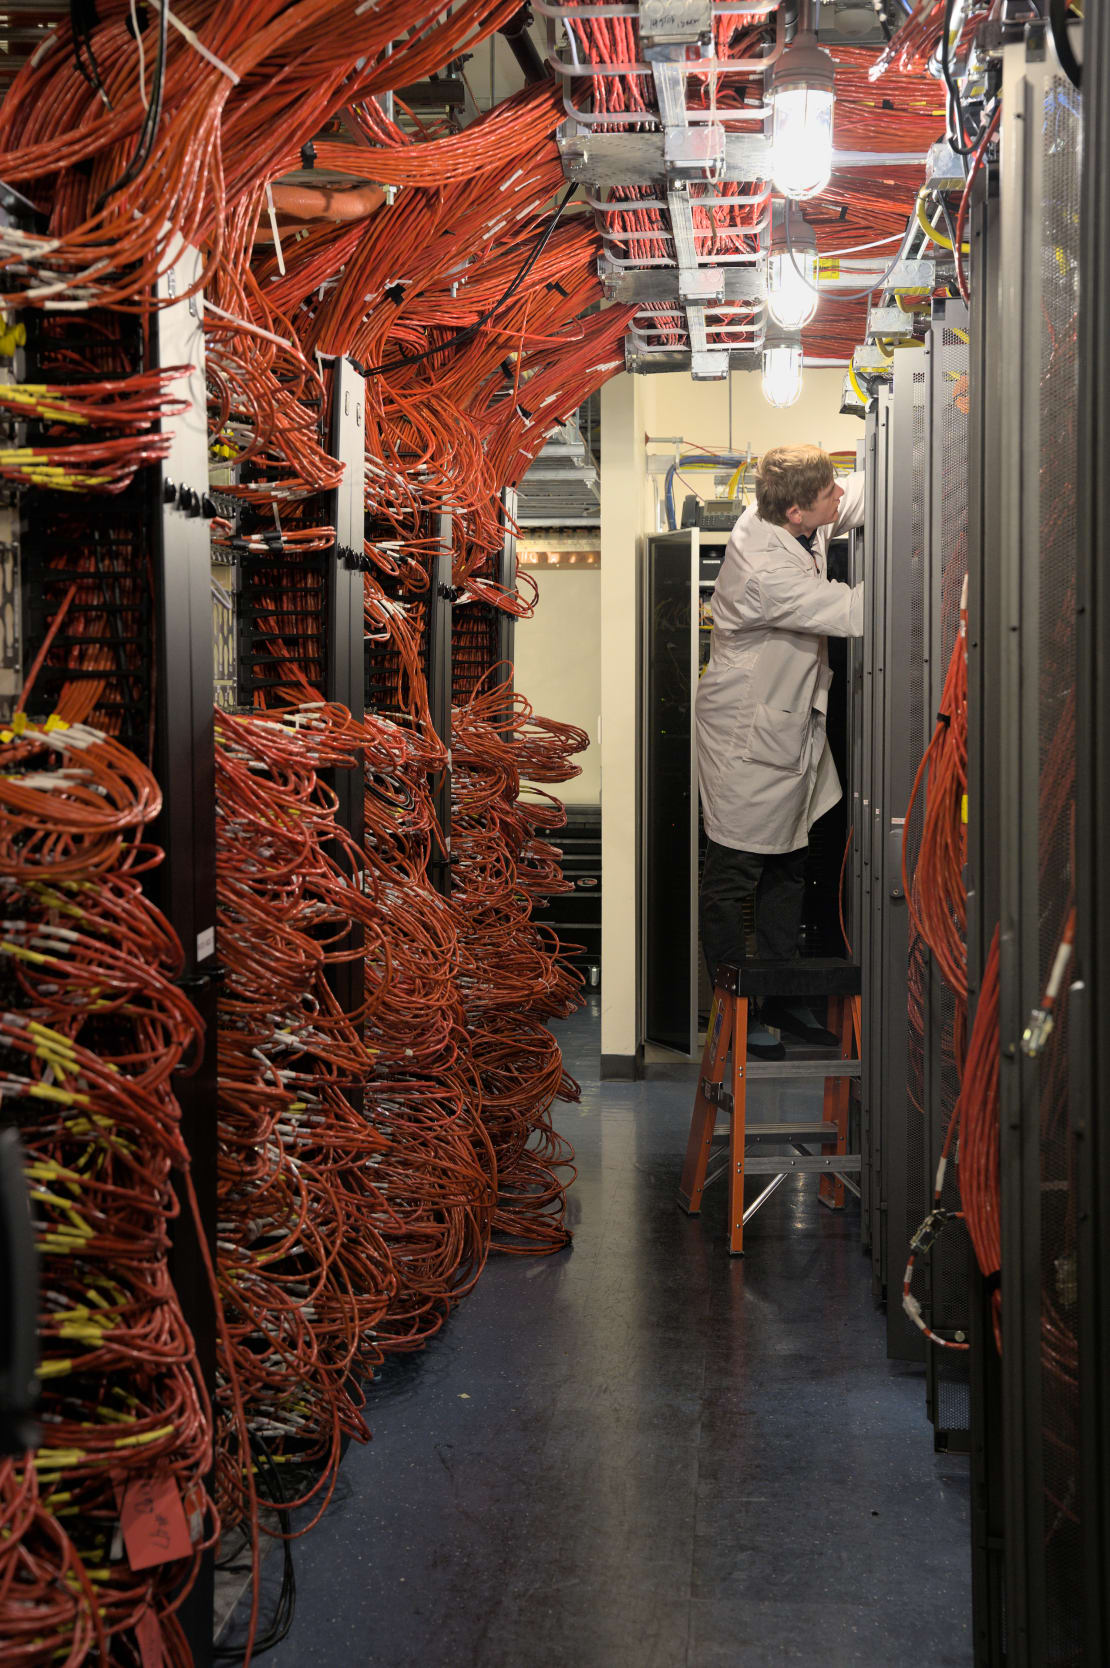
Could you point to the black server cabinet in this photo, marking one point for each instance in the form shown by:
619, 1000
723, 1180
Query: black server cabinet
1093, 807
1044, 1081
984, 651
670, 650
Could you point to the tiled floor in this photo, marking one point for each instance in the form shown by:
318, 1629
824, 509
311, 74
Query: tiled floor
644, 1454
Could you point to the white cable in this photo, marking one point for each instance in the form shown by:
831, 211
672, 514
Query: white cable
138, 34
198, 45
831, 254
245, 324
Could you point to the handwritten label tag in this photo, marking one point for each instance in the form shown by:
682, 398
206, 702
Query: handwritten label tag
153, 1523
148, 1632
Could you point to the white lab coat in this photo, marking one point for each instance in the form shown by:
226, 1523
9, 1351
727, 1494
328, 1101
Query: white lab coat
764, 765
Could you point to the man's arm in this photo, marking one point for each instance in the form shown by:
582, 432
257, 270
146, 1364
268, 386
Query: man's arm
782, 595
852, 504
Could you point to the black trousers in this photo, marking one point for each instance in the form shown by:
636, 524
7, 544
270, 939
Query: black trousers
728, 877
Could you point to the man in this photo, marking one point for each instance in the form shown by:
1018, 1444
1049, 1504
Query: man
764, 766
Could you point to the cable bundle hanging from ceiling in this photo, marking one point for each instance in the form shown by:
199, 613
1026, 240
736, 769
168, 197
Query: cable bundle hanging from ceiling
231, 100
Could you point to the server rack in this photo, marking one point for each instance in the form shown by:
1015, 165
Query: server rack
1093, 806
166, 721
864, 912
1045, 1085
669, 606
915, 562
863, 909
892, 725
947, 406
984, 651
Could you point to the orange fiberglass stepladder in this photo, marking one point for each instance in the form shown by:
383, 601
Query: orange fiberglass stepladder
726, 1045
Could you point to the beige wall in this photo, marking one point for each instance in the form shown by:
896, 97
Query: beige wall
558, 665
699, 411
631, 408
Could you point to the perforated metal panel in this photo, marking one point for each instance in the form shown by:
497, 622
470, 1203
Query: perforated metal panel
946, 1295
1058, 139
223, 634
917, 1142
1046, 1535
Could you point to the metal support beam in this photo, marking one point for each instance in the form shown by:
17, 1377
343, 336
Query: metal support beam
184, 764
438, 672
345, 677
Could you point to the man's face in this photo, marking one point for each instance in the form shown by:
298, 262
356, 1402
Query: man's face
821, 513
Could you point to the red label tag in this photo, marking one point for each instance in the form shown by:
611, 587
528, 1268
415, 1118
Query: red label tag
148, 1632
153, 1523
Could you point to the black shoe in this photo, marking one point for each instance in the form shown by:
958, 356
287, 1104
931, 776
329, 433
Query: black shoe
762, 1045
795, 1019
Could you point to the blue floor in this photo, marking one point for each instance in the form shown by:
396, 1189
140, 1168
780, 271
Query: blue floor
642, 1453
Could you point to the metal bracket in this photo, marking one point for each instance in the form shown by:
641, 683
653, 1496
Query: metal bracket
891, 322
870, 361
694, 153
675, 22
944, 169
709, 364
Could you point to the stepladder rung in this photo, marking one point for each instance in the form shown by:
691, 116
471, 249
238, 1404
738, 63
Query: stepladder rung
806, 1069
784, 1134
775, 1133
772, 1165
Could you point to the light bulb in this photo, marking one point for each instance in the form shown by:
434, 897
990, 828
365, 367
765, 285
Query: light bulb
801, 139
792, 286
782, 372
802, 96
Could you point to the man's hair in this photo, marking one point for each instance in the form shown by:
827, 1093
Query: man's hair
791, 475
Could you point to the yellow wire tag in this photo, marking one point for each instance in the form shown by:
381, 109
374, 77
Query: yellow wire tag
55, 723
828, 266
963, 809
19, 723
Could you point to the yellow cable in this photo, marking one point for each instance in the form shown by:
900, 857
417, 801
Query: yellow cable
932, 232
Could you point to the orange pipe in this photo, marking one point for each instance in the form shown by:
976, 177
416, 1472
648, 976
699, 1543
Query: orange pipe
317, 202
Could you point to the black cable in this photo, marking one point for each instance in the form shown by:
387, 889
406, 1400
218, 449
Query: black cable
153, 112
949, 223
1058, 23
83, 20
470, 330
282, 1619
958, 139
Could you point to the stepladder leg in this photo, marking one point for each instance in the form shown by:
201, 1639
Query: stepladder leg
737, 1130
837, 1100
704, 1117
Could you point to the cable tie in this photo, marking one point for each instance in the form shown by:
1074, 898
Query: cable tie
274, 228
944, 718
198, 45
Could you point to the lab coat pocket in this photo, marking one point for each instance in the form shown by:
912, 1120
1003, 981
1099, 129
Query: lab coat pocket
778, 737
